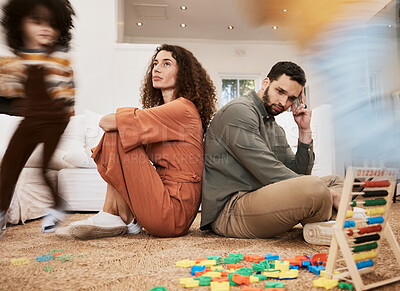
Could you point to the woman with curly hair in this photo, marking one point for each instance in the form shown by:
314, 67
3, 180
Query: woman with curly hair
152, 159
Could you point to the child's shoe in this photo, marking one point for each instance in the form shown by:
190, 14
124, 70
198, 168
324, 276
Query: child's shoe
52, 220
134, 227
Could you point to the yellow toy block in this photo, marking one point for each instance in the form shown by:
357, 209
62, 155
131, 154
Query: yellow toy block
282, 266
20, 261
219, 286
254, 279
272, 273
291, 274
216, 268
183, 281
208, 263
212, 274
185, 263
326, 283
189, 282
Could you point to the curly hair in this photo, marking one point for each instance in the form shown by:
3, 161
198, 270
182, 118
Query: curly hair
192, 83
15, 10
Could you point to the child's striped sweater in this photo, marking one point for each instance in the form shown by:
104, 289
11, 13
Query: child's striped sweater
58, 74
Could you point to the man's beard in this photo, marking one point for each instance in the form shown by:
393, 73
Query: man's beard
268, 106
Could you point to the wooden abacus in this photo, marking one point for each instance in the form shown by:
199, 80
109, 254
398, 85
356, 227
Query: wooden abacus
361, 251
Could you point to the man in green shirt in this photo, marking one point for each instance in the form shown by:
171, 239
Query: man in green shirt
253, 184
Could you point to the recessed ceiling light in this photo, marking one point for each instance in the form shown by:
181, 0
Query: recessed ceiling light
183, 25
139, 24
274, 27
389, 25
284, 10
183, 7
230, 27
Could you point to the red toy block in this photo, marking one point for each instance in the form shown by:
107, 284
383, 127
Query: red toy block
293, 261
251, 289
240, 279
254, 258
318, 259
220, 279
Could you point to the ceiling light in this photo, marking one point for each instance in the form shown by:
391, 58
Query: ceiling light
284, 10
230, 27
389, 25
139, 24
274, 27
183, 25
183, 7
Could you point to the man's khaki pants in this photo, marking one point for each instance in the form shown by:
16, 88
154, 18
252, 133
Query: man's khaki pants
278, 207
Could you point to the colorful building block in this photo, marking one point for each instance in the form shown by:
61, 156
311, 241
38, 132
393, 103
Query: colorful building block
244, 271
185, 263
269, 257
282, 266
65, 257
343, 285
204, 280
272, 274
20, 261
254, 279
289, 275
189, 282
48, 268
274, 284
240, 279
219, 286
326, 283
319, 259
195, 269
216, 258
316, 269
254, 258
44, 258
158, 288
220, 279
207, 263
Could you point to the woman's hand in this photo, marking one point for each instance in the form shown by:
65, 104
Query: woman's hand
108, 122
335, 198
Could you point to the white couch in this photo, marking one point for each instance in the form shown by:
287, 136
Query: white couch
71, 169
81, 186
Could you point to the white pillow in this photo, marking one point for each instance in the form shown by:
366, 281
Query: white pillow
8, 125
72, 142
93, 131
57, 161
93, 134
73, 137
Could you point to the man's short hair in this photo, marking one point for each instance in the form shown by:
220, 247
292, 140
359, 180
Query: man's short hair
290, 69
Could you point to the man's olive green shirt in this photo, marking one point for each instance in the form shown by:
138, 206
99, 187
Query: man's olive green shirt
245, 149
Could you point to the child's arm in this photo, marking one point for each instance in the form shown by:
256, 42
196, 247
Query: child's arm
60, 79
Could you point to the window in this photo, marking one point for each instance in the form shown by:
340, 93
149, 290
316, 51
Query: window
233, 86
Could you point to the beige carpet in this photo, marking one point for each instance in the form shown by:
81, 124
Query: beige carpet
142, 262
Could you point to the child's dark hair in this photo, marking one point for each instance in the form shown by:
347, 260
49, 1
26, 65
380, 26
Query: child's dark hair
15, 10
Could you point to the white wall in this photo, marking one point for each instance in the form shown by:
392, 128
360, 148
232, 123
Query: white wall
109, 75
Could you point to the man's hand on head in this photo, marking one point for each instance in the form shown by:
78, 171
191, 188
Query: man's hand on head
302, 116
